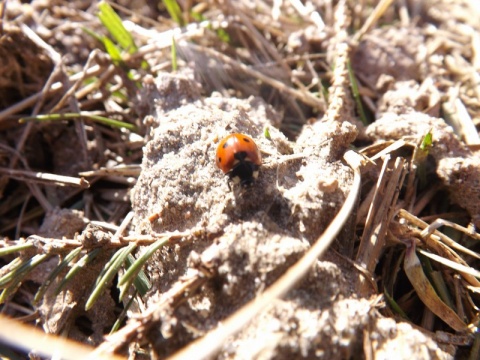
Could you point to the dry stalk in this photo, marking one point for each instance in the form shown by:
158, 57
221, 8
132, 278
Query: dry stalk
380, 214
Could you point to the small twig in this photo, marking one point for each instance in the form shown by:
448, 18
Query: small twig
120, 170
122, 227
149, 239
341, 104
58, 244
62, 244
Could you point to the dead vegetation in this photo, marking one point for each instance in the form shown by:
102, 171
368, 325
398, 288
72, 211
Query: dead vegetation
119, 233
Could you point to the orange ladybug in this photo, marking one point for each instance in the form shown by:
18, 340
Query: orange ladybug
239, 158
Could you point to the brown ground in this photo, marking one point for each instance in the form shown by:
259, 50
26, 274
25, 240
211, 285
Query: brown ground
278, 72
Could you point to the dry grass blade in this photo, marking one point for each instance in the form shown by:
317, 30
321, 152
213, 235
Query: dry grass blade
443, 247
461, 119
377, 13
440, 222
389, 149
6, 249
426, 292
30, 338
209, 345
429, 230
303, 96
452, 264
45, 178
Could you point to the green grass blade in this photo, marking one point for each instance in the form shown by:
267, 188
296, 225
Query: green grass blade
111, 269
393, 305
174, 11
8, 291
73, 116
13, 279
15, 248
84, 261
174, 55
113, 51
113, 23
141, 282
93, 34
63, 264
427, 142
11, 265
138, 264
123, 314
22, 269
107, 266
356, 94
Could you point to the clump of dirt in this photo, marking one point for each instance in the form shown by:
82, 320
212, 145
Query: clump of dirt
250, 236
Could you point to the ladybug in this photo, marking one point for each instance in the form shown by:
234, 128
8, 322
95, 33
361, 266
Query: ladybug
239, 158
